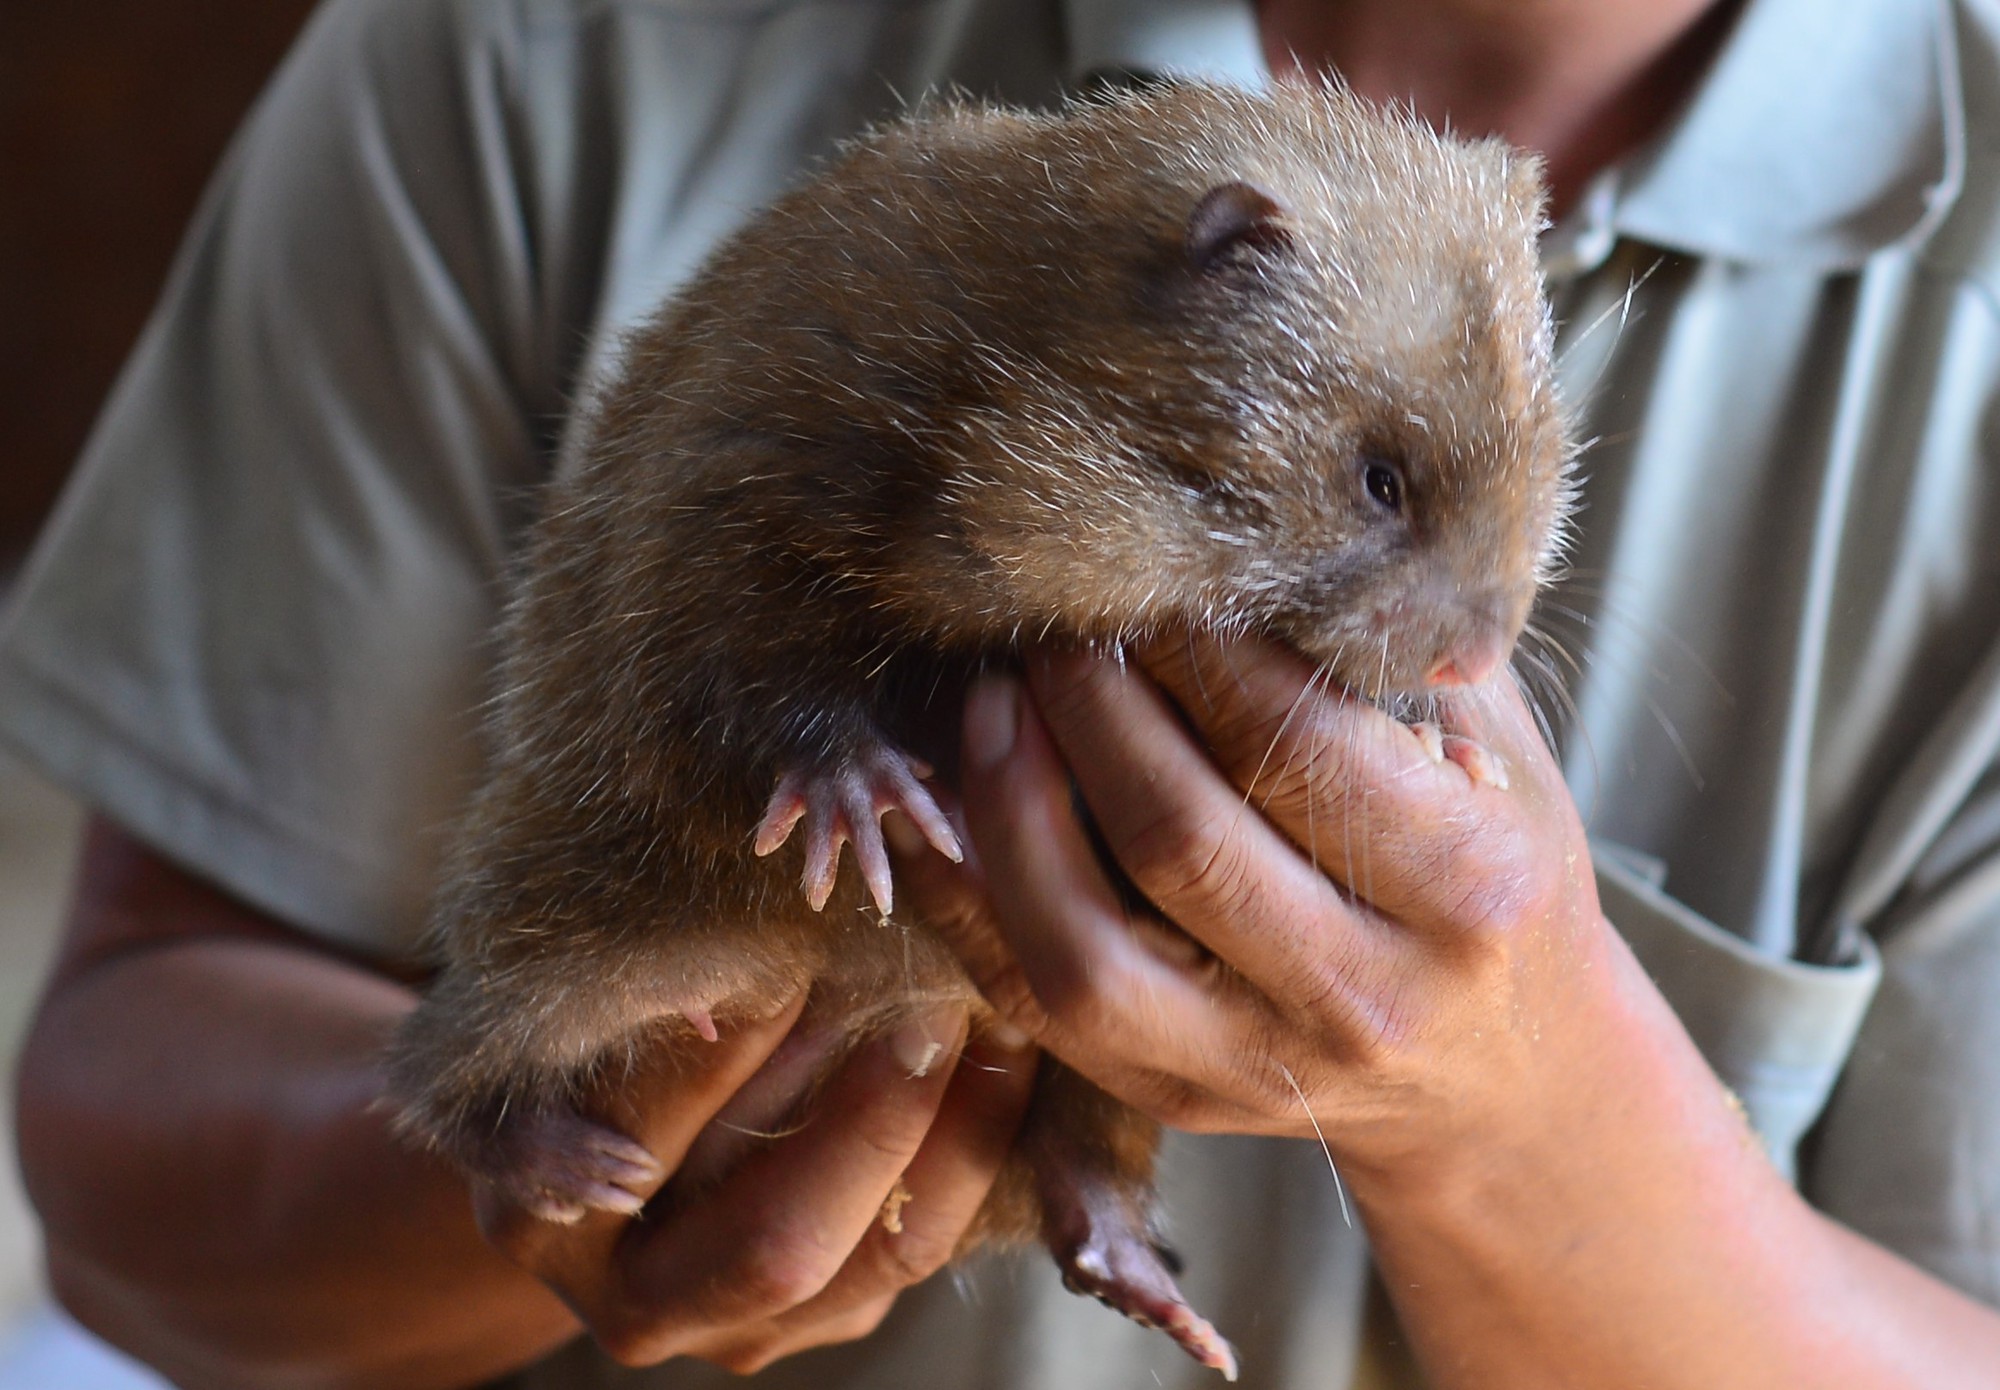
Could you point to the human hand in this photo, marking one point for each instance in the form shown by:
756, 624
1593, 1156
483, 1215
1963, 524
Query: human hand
789, 1248
1366, 941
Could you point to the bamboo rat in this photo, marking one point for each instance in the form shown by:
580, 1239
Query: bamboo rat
1249, 362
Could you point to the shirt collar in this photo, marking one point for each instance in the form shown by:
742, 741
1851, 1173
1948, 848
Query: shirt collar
1214, 40
1823, 132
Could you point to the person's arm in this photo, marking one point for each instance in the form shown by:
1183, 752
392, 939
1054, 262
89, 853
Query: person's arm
1558, 1191
221, 1196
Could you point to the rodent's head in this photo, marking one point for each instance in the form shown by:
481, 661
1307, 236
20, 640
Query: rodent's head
1275, 363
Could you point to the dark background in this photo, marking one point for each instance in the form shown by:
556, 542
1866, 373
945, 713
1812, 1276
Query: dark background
112, 114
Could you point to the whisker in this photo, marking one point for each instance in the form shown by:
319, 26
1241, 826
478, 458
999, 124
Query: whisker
1619, 660
1339, 1188
1536, 632
1200, 684
1321, 681
1611, 606
1367, 866
1535, 648
1298, 703
1624, 311
1523, 682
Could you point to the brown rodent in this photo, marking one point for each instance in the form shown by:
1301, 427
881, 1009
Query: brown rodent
1273, 363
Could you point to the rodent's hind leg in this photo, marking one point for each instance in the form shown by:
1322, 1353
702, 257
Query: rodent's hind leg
1106, 1247
844, 804
495, 1067
1092, 1158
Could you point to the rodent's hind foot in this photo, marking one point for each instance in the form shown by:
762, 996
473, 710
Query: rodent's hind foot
1106, 1248
845, 805
559, 1166
1476, 758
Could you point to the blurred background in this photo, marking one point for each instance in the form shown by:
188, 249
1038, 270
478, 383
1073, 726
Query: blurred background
112, 113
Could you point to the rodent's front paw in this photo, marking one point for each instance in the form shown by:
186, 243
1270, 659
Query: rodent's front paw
1479, 761
845, 805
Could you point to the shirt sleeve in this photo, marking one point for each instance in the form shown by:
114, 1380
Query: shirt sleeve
253, 633
1776, 1031
1874, 1081
1909, 1151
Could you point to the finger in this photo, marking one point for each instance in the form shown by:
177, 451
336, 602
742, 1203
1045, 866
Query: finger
1496, 716
920, 1227
1394, 816
1197, 849
663, 1103
953, 902
776, 1230
942, 1191
1103, 991
750, 1348
947, 1181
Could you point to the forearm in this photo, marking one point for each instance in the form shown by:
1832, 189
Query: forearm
1644, 1239
219, 1195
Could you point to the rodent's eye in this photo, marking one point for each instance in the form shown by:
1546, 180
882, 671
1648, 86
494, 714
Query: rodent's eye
1384, 482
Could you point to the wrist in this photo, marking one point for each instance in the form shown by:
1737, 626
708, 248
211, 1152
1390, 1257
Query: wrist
1625, 1179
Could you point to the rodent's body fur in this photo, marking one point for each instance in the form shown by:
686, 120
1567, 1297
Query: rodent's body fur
1138, 365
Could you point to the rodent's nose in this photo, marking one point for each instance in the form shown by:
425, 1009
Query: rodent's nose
1471, 662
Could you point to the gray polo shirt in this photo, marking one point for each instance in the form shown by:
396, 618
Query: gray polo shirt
256, 630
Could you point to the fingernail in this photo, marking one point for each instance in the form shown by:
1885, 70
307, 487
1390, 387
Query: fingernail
992, 716
903, 837
1003, 1034
916, 1044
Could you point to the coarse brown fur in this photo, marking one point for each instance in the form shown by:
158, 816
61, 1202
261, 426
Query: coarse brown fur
989, 376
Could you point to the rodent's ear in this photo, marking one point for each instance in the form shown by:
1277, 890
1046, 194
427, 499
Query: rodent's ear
1232, 215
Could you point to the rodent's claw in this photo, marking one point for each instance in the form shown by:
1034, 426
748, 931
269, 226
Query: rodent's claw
1105, 1250
1478, 761
866, 834
924, 813
832, 822
559, 1166
846, 806
1428, 735
787, 808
